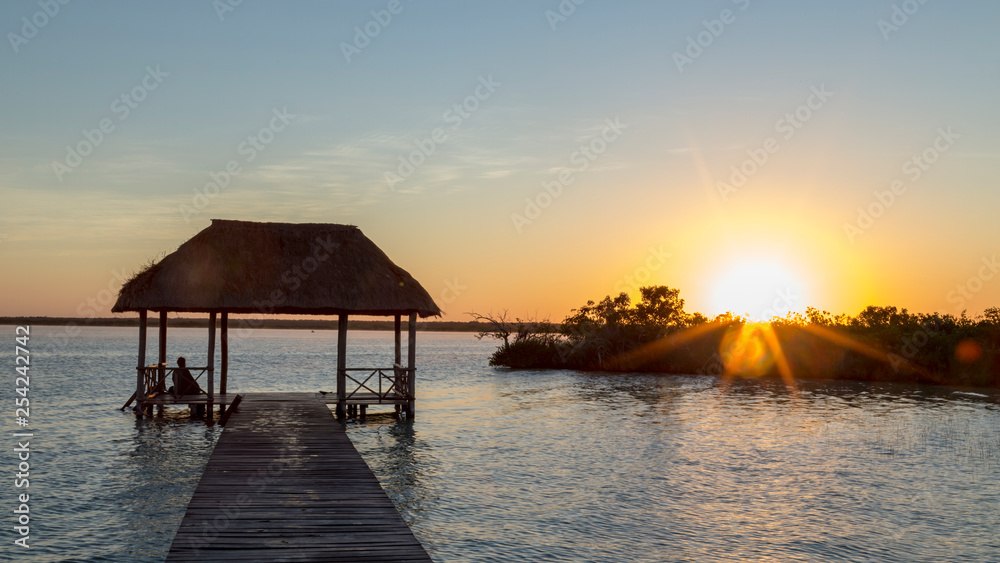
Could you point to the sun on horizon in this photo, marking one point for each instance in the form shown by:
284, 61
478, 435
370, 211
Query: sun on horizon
759, 289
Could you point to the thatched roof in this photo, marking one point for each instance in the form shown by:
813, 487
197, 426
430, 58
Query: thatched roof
288, 268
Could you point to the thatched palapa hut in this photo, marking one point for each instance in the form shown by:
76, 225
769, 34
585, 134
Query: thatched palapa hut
277, 268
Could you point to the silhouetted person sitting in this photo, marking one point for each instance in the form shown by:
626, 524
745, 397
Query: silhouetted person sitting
185, 384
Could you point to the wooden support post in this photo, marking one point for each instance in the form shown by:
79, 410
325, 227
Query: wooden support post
398, 375
399, 351
140, 371
224, 360
411, 360
341, 366
161, 376
211, 365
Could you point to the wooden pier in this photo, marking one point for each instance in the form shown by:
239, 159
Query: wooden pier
284, 483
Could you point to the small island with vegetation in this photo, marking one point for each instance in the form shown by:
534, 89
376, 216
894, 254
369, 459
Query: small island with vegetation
657, 335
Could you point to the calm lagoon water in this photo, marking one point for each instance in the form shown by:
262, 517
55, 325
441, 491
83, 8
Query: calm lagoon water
533, 465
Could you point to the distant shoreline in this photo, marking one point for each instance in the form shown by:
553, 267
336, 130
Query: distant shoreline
301, 324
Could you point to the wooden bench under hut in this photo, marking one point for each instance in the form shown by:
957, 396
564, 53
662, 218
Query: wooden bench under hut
242, 267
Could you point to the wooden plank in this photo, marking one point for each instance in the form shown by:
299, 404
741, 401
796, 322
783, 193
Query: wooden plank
365, 399
232, 408
284, 483
201, 399
128, 402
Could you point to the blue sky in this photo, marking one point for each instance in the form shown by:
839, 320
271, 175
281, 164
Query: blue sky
452, 221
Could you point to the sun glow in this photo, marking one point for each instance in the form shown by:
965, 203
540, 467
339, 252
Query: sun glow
759, 290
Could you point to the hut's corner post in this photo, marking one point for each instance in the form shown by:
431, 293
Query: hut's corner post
140, 391
399, 376
411, 360
224, 359
211, 365
341, 367
399, 355
161, 376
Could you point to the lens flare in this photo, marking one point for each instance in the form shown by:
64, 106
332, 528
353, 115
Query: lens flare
968, 351
745, 351
753, 350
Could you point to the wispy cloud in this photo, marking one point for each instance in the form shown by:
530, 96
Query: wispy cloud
352, 172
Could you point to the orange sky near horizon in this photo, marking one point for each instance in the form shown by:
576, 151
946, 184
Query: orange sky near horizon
805, 155
821, 273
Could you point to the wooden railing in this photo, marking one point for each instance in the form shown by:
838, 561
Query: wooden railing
390, 383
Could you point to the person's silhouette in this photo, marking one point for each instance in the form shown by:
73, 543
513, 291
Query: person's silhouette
185, 384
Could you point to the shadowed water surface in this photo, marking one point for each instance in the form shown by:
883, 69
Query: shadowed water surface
530, 466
